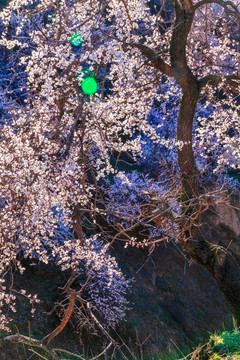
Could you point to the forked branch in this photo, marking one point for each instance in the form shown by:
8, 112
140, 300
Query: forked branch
65, 320
154, 59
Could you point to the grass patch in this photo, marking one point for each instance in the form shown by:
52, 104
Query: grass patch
221, 346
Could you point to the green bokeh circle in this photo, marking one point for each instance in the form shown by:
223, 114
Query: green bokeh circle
76, 39
89, 86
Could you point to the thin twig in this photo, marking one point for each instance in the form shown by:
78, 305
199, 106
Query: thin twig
69, 353
103, 352
35, 352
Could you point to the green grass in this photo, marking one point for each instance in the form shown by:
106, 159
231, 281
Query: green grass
227, 342
226, 345
221, 346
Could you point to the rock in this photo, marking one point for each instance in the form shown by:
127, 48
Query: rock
221, 225
172, 302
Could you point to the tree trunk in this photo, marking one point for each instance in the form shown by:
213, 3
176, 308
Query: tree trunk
186, 160
218, 261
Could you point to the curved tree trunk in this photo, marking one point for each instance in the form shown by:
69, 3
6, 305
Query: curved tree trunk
218, 261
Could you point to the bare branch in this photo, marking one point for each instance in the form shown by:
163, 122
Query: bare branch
70, 281
104, 331
103, 352
70, 353
35, 352
30, 342
64, 322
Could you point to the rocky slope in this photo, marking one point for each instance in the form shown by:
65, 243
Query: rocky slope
174, 304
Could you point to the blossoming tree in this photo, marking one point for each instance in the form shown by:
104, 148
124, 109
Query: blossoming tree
57, 148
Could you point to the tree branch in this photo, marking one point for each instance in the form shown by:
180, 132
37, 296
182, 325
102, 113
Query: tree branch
156, 61
64, 322
232, 80
70, 353
103, 352
221, 3
30, 342
186, 6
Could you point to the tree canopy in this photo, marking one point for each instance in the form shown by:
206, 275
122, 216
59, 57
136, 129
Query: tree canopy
165, 97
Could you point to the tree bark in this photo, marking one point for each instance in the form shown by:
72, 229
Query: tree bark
221, 264
186, 160
218, 261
